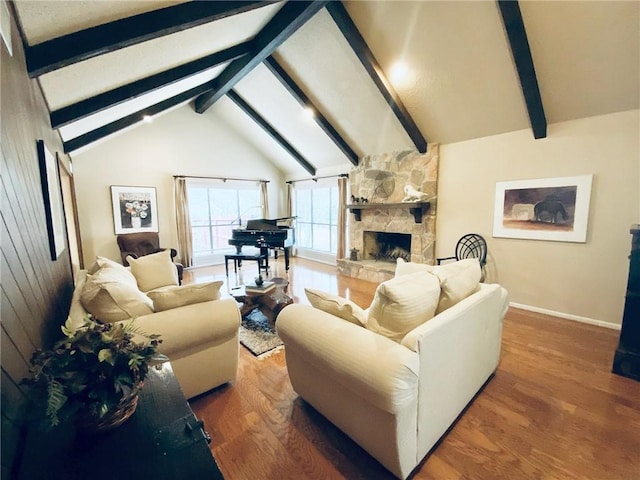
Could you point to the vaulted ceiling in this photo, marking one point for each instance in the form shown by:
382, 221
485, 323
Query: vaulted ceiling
472, 69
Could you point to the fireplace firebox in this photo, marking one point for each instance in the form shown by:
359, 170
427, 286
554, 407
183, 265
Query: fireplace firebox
386, 246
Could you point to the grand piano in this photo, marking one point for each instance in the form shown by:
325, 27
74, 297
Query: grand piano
265, 234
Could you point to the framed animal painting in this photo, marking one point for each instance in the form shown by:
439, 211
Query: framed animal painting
544, 209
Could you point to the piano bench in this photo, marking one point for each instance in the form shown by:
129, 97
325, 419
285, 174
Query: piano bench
261, 258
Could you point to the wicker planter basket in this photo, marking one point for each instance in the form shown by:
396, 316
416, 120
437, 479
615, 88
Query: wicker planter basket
88, 424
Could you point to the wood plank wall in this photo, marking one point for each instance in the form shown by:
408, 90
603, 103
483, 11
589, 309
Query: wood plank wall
35, 291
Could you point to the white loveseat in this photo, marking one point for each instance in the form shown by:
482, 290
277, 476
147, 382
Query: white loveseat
395, 399
200, 339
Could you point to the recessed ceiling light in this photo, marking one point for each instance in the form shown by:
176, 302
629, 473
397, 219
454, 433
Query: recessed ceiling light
399, 73
147, 118
309, 112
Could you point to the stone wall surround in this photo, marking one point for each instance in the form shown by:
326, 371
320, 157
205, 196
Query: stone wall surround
381, 180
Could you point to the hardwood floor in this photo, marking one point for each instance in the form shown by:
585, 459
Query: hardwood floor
553, 409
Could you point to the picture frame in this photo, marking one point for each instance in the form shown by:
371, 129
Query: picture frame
52, 197
135, 209
555, 209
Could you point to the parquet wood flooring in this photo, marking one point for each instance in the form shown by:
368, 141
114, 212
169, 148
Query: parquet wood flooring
553, 409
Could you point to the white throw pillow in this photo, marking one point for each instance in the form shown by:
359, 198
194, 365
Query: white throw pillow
154, 271
102, 262
174, 297
403, 303
405, 268
458, 280
112, 295
336, 305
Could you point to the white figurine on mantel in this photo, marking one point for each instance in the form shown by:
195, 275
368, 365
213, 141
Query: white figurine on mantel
413, 195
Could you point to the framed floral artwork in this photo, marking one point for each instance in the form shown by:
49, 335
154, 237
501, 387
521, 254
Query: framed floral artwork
544, 209
52, 197
135, 209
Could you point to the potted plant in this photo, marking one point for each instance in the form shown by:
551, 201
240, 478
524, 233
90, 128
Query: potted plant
92, 376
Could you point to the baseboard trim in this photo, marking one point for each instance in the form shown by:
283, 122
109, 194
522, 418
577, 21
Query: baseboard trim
566, 316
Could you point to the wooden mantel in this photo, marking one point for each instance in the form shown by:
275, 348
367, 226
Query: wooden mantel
416, 208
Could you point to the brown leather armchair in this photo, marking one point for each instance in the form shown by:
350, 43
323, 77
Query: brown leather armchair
140, 244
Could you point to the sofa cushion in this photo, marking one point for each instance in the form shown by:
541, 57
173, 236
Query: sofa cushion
458, 280
402, 303
112, 294
154, 271
336, 305
405, 268
174, 297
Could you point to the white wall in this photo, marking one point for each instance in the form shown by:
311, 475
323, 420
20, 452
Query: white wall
583, 280
180, 142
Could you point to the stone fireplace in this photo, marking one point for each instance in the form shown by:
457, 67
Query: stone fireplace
388, 228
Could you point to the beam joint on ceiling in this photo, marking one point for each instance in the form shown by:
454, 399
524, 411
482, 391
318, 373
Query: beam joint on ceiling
139, 116
519, 44
293, 88
284, 23
365, 55
59, 52
268, 128
71, 113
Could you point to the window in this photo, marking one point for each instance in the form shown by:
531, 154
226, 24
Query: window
215, 211
317, 218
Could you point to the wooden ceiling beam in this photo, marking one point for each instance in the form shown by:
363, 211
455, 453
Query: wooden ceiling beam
289, 18
62, 51
132, 119
267, 127
71, 113
363, 52
293, 88
519, 44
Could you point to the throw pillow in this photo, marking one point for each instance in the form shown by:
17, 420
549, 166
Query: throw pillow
405, 268
338, 306
102, 262
458, 280
174, 297
110, 295
154, 271
403, 303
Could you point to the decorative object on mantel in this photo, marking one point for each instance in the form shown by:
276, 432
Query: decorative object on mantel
92, 376
413, 195
384, 182
355, 199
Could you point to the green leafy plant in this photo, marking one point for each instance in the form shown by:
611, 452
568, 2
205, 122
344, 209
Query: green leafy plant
91, 370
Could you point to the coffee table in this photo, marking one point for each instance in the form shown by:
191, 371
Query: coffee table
270, 304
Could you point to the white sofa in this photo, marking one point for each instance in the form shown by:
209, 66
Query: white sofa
394, 399
201, 340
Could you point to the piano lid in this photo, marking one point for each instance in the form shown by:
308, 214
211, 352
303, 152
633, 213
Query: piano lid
266, 224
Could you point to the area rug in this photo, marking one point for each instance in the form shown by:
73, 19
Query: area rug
258, 334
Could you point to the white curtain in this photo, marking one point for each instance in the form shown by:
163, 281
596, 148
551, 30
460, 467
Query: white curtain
342, 218
183, 222
264, 199
288, 201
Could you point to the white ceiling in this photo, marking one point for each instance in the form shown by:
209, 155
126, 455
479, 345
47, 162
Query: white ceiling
462, 83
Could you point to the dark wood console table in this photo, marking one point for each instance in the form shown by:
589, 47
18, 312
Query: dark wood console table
627, 358
162, 440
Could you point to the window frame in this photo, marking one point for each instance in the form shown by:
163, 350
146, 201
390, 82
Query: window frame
215, 254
